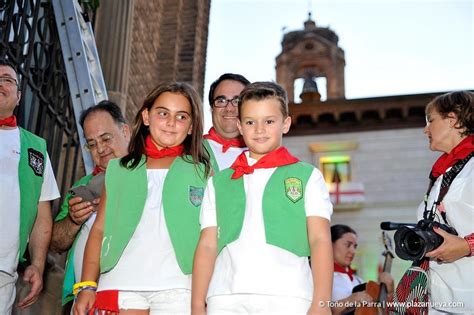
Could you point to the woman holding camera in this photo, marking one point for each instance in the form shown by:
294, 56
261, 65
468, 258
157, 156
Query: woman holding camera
450, 129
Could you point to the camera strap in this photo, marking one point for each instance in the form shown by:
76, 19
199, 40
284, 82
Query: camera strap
448, 178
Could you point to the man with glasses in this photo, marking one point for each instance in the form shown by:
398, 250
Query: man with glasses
27, 187
107, 136
223, 142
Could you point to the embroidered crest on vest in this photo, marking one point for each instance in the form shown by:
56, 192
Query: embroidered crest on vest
195, 195
36, 161
294, 189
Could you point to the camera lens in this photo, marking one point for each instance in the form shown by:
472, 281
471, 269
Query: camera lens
413, 244
409, 244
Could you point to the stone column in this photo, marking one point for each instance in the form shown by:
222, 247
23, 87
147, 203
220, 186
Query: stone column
113, 33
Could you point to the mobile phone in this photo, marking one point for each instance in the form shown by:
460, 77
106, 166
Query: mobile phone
84, 192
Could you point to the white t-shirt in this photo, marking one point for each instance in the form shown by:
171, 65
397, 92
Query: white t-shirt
224, 160
148, 262
249, 264
342, 285
81, 244
454, 282
10, 197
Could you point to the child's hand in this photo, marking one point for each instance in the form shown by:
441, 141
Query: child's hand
84, 302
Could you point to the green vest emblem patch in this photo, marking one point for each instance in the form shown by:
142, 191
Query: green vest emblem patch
294, 189
195, 195
36, 161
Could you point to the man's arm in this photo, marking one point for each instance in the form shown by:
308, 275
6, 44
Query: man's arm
38, 247
65, 230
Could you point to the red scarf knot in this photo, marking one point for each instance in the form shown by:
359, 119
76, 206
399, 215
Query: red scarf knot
226, 143
151, 150
347, 270
9, 121
459, 152
276, 158
97, 170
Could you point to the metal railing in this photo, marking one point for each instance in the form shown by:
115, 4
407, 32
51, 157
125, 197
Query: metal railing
29, 39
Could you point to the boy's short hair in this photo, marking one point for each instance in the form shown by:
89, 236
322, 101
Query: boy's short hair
263, 90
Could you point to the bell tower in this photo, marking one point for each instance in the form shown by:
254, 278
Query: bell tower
311, 53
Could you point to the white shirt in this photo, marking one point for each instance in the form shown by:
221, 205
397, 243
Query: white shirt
224, 160
10, 197
81, 244
342, 285
454, 282
249, 264
148, 262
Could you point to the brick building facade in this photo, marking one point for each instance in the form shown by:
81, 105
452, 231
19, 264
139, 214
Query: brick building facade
142, 43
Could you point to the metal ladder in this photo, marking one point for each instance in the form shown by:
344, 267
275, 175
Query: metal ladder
84, 73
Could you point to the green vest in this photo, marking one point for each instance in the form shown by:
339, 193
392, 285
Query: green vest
283, 207
69, 275
214, 164
30, 176
127, 191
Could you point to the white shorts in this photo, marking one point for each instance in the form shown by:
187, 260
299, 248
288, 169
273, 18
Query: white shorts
7, 292
256, 304
176, 301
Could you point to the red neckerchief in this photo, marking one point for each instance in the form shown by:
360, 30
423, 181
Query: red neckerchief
97, 170
347, 270
9, 121
152, 151
226, 144
278, 157
459, 152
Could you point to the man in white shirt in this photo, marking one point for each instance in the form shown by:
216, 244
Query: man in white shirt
223, 142
107, 134
27, 187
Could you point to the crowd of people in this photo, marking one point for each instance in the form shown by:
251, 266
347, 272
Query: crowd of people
227, 222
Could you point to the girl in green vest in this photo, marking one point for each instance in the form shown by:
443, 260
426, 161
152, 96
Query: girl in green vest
141, 246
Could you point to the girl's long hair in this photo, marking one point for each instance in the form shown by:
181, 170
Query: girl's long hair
193, 145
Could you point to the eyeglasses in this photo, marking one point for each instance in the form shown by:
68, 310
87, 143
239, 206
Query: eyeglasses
105, 139
8, 81
223, 102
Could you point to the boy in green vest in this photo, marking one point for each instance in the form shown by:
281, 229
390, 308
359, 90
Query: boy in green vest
261, 219
27, 187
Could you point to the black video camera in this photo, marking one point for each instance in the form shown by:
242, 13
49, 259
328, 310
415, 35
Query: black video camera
412, 242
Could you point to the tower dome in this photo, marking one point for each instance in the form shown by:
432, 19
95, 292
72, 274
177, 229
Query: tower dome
315, 50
